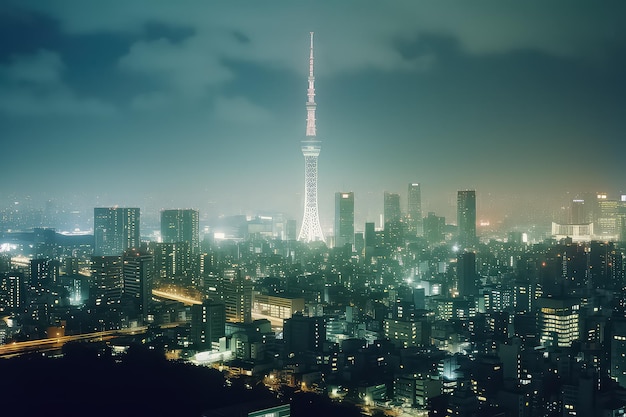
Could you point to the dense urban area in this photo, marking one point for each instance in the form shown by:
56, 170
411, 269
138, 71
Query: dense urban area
415, 316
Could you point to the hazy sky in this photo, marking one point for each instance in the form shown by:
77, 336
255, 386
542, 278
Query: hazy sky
163, 104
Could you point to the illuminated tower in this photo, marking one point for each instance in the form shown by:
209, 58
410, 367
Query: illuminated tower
311, 229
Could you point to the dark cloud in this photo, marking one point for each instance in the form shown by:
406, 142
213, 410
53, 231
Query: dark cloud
204, 101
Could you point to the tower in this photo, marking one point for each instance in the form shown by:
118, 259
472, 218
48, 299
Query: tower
311, 229
466, 217
344, 218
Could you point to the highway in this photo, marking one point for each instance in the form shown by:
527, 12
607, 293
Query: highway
53, 343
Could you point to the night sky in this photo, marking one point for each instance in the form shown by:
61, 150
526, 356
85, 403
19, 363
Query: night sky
201, 104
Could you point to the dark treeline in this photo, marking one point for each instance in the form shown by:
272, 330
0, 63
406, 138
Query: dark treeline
89, 381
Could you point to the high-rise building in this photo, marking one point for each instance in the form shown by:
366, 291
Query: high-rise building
344, 218
107, 280
115, 230
434, 228
237, 296
369, 240
12, 291
394, 227
414, 210
138, 272
311, 229
181, 225
44, 272
466, 274
579, 214
391, 208
466, 218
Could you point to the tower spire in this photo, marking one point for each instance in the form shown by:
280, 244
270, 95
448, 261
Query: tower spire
311, 229
310, 105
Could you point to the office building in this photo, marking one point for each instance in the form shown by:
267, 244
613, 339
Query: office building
208, 323
558, 321
344, 218
44, 272
107, 280
115, 230
466, 218
138, 271
237, 296
434, 228
276, 307
414, 210
181, 225
466, 274
391, 207
304, 334
394, 227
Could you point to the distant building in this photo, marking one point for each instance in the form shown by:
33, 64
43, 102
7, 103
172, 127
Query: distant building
394, 227
577, 232
391, 208
434, 228
414, 210
466, 218
344, 218
181, 225
115, 230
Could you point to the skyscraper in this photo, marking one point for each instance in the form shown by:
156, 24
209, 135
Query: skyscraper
391, 208
311, 229
466, 274
344, 218
115, 230
394, 227
138, 273
181, 225
414, 212
466, 217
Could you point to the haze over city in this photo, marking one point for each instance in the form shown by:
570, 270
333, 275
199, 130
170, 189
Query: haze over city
202, 104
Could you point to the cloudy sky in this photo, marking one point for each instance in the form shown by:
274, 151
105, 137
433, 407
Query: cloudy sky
162, 104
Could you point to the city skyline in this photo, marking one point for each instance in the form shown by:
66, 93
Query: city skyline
201, 107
